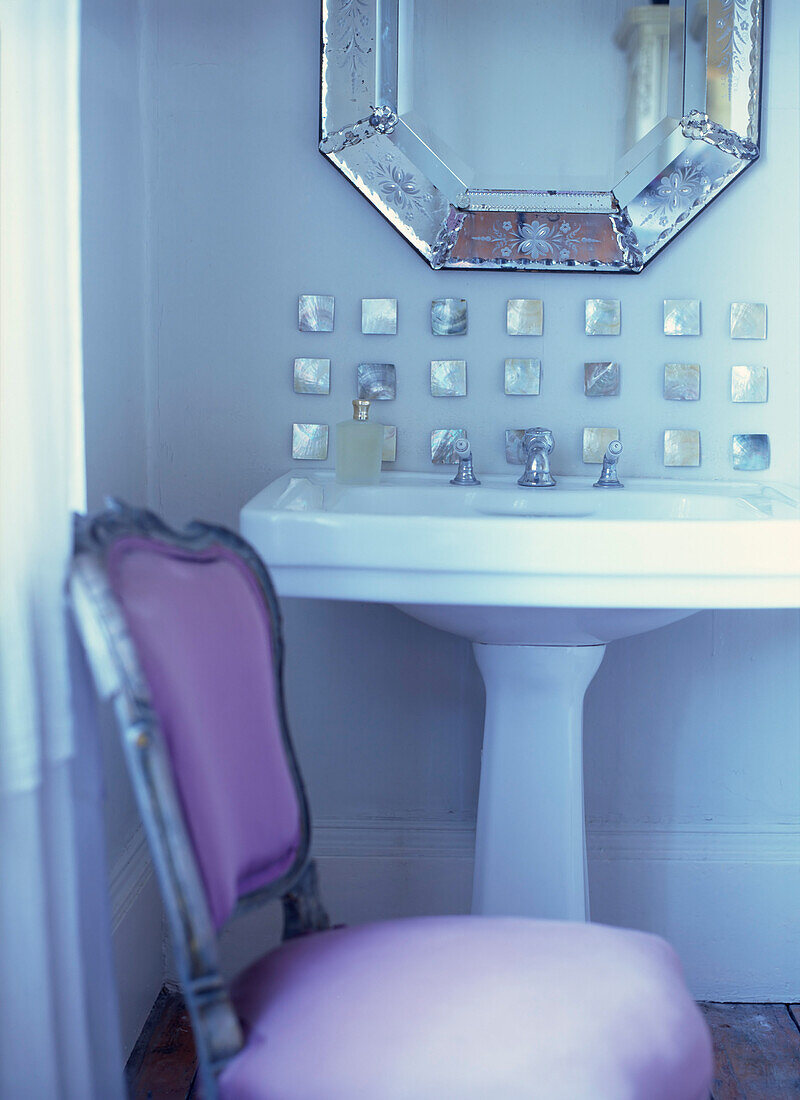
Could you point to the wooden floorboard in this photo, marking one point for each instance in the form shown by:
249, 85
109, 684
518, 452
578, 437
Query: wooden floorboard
163, 1063
757, 1051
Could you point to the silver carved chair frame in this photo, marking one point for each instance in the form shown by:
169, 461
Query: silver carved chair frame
119, 679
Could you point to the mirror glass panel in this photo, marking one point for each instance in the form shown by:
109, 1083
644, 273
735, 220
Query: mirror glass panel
563, 119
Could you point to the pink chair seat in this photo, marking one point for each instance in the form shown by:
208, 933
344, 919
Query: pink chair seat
469, 1008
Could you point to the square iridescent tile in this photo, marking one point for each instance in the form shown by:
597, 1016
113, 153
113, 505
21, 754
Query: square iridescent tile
749, 383
310, 441
315, 312
389, 443
514, 453
449, 316
681, 447
448, 378
523, 376
442, 440
377, 381
379, 316
748, 321
601, 379
312, 376
681, 317
682, 381
595, 442
750, 452
524, 316
602, 317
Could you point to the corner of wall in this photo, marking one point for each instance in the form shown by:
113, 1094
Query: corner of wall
137, 934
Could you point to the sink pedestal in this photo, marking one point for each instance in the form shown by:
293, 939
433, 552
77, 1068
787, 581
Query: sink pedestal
530, 850
539, 582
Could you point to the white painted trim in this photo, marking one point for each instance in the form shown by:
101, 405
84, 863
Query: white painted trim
137, 933
129, 876
392, 838
729, 888
696, 843
703, 842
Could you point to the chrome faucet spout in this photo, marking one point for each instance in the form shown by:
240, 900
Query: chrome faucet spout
537, 443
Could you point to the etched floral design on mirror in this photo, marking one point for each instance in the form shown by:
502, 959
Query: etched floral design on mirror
651, 112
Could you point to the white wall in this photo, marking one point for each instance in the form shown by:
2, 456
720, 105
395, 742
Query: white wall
114, 288
693, 771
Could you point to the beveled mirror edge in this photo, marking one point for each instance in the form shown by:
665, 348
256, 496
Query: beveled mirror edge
706, 157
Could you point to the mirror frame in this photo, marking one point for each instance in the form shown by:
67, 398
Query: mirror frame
617, 231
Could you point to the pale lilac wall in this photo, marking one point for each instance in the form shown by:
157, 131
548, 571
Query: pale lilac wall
692, 732
115, 287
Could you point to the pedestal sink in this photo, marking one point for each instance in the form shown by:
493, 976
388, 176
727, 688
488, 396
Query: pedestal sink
539, 581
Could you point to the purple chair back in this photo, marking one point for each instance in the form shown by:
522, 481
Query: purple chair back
182, 633
206, 642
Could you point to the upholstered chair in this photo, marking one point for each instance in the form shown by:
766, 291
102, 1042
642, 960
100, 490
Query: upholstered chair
182, 631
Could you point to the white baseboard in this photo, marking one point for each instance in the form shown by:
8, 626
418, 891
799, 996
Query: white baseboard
393, 838
725, 895
137, 934
729, 842
129, 876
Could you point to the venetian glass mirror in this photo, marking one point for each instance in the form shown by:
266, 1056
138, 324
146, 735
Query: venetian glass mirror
541, 134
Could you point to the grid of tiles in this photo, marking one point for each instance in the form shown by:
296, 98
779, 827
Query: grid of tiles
524, 377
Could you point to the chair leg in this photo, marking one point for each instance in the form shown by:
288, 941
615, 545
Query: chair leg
303, 911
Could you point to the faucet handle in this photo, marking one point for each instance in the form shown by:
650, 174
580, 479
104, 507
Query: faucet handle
541, 436
463, 452
608, 476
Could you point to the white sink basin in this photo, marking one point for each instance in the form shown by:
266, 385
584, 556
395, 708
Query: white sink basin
539, 580
653, 550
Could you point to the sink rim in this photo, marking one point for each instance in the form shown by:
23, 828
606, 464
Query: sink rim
576, 562
567, 485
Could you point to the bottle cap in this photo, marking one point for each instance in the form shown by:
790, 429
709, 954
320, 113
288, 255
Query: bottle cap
361, 410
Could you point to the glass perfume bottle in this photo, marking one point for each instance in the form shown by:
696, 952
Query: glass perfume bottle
359, 447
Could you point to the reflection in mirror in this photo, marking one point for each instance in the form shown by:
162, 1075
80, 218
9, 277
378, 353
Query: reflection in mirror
603, 91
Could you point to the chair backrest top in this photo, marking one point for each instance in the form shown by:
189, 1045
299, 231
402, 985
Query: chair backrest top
190, 622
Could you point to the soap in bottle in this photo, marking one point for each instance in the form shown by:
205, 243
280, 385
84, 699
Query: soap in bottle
359, 447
